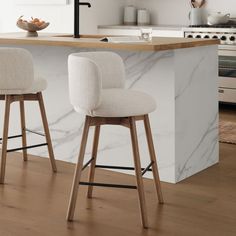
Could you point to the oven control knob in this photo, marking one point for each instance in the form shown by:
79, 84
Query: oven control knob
206, 37
215, 37
223, 38
232, 38
198, 36
189, 36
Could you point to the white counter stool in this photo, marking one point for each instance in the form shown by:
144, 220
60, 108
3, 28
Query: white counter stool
96, 85
17, 84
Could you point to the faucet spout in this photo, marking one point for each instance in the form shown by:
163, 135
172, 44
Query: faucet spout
85, 4
77, 5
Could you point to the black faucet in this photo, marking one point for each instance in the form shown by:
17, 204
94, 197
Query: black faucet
77, 4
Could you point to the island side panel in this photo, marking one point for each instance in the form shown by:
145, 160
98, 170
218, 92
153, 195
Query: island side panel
151, 72
196, 109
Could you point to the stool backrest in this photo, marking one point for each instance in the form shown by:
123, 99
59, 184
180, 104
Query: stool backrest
89, 72
16, 69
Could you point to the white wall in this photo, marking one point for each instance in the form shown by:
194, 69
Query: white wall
61, 17
104, 12
176, 11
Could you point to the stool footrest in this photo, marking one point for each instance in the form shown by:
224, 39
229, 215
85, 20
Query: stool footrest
109, 185
124, 167
27, 147
14, 136
147, 168
34, 132
87, 164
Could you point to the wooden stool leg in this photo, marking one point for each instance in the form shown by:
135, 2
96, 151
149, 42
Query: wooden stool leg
46, 130
153, 158
138, 172
78, 171
93, 163
23, 129
5, 137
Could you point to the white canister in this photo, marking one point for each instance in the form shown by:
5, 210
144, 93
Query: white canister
143, 17
130, 15
196, 16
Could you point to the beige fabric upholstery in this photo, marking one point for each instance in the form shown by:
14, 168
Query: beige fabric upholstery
110, 65
17, 72
121, 103
96, 87
84, 82
38, 86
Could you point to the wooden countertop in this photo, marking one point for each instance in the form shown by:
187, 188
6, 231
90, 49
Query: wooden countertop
93, 41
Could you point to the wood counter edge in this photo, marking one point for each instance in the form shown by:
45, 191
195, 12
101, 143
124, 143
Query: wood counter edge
60, 40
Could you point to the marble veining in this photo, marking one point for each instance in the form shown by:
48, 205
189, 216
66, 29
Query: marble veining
191, 77
184, 126
206, 157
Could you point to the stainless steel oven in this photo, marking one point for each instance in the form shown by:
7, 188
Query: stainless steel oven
227, 73
227, 55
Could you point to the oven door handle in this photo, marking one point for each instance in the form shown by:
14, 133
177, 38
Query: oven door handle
227, 68
230, 53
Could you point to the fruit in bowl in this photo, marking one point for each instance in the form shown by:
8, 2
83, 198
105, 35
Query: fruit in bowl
31, 26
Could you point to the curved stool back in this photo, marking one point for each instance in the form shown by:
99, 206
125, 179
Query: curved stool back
89, 73
16, 69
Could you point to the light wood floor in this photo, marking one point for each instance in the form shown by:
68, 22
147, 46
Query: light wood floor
34, 201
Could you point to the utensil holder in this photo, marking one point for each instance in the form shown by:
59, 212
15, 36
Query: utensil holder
196, 16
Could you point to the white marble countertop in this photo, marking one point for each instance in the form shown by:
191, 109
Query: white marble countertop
154, 27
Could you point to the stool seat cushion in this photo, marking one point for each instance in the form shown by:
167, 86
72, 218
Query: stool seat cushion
121, 103
38, 86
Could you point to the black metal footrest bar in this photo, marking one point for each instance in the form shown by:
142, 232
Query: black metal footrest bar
147, 168
27, 147
109, 185
87, 164
14, 136
124, 167
34, 132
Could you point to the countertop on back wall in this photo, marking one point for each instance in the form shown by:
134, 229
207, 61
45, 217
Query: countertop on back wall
154, 27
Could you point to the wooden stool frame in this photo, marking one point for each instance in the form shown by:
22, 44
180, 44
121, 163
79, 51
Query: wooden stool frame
21, 98
129, 122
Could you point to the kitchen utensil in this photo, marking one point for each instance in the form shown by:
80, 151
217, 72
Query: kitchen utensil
202, 3
193, 3
218, 18
196, 4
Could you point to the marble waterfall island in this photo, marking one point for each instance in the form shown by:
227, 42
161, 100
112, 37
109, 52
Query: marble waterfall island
181, 74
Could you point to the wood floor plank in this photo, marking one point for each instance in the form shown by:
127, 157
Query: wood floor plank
34, 202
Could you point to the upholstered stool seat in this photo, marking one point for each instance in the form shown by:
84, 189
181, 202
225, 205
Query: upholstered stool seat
18, 84
96, 86
37, 86
122, 103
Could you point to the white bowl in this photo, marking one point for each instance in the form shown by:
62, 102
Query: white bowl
31, 28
